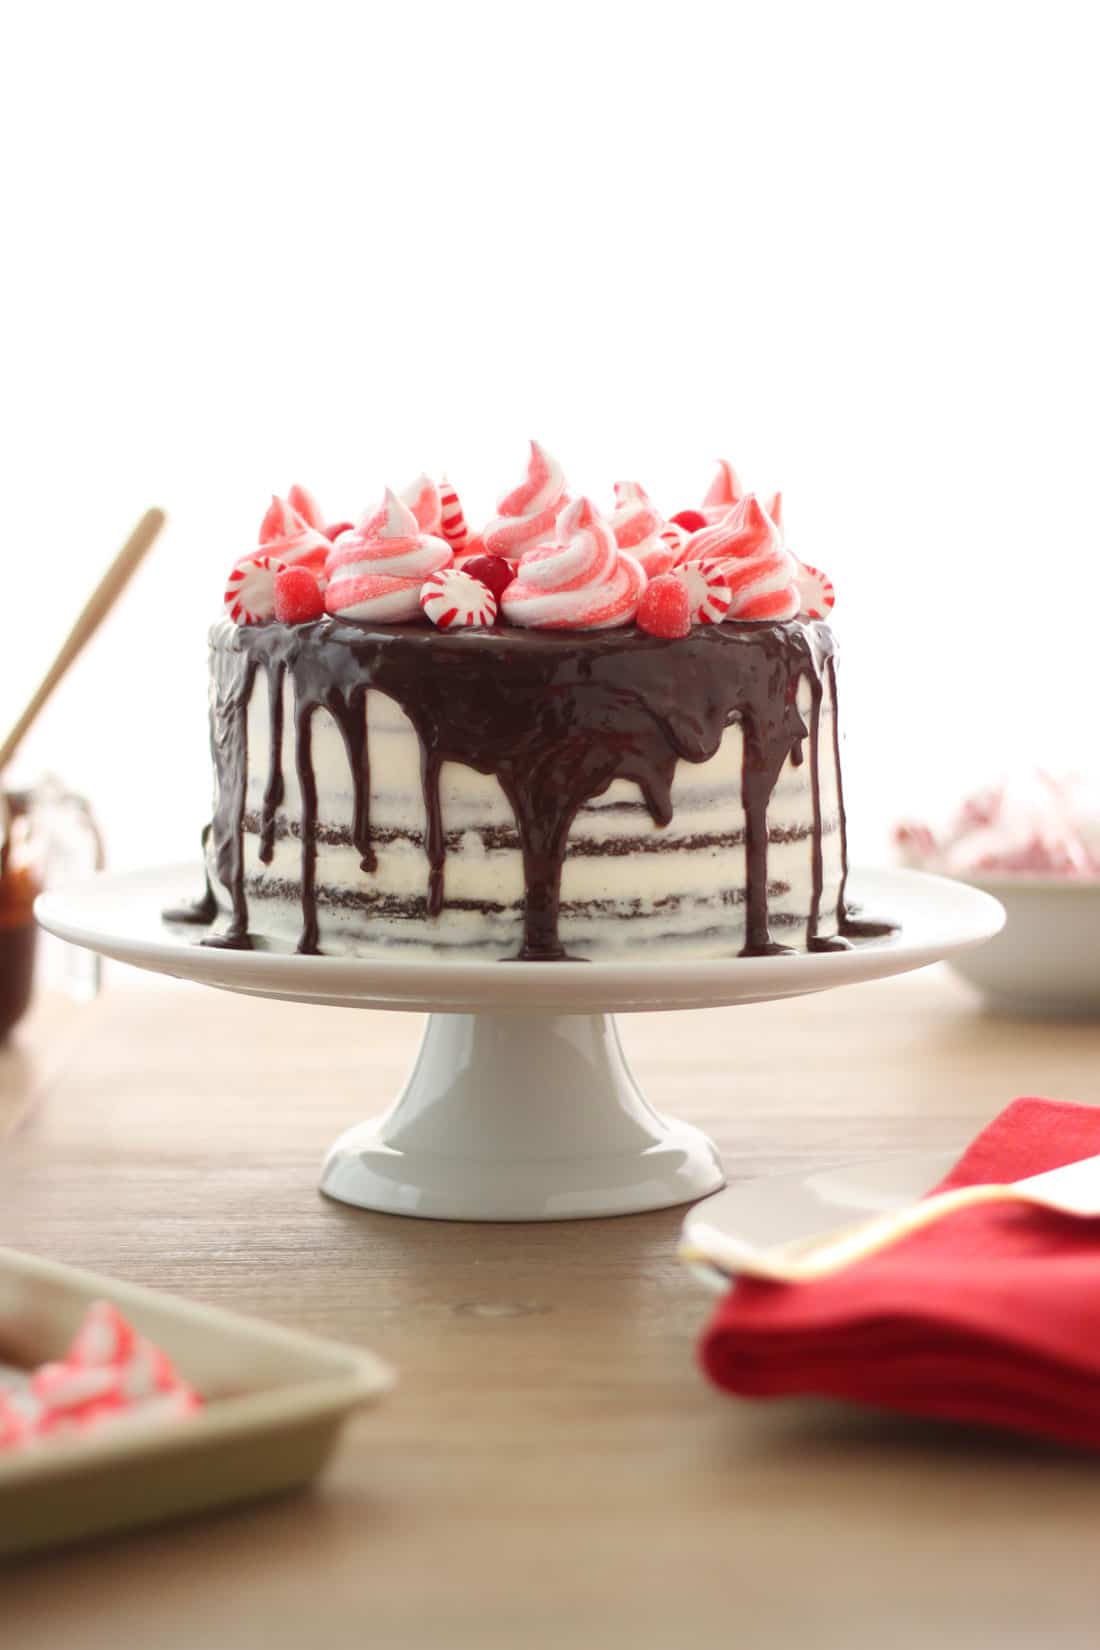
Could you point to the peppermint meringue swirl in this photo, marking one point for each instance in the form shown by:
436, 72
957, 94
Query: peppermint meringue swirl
422, 498
528, 514
581, 582
723, 493
639, 527
375, 571
761, 574
301, 499
286, 534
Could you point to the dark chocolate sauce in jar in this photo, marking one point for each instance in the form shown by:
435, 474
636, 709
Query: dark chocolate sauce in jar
19, 887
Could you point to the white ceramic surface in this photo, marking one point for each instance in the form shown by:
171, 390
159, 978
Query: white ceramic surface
785, 1208
1046, 962
520, 1105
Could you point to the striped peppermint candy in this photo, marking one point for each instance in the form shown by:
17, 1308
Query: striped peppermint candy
709, 594
452, 521
675, 537
454, 600
816, 595
250, 589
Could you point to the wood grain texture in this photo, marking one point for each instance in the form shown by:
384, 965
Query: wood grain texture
552, 1470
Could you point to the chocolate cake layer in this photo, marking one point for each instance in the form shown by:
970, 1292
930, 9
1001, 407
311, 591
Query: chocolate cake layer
527, 793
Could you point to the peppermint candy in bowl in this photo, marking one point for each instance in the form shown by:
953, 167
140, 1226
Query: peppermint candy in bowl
1033, 841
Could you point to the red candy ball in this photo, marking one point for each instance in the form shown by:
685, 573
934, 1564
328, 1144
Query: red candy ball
298, 597
690, 520
664, 609
495, 572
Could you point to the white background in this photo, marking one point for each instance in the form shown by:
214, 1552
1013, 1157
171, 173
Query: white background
852, 247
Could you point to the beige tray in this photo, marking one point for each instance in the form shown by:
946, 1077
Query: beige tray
275, 1402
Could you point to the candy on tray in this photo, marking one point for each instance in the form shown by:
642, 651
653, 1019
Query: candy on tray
110, 1377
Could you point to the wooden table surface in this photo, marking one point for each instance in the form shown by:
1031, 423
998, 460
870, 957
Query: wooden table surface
552, 1470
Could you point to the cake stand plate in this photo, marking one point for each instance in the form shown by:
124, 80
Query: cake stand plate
520, 1105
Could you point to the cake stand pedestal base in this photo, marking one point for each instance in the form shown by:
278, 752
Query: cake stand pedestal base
520, 1106
520, 1117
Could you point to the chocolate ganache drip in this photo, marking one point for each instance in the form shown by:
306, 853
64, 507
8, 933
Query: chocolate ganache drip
555, 719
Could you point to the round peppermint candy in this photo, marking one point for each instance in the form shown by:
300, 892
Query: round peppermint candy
454, 600
709, 596
250, 589
816, 596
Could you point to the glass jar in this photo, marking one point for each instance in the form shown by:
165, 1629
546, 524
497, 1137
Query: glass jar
21, 874
46, 834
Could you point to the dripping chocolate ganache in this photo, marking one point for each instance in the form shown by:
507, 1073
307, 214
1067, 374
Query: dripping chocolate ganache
507, 792
570, 736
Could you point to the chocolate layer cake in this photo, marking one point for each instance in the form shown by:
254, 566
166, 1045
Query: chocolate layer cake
646, 764
507, 792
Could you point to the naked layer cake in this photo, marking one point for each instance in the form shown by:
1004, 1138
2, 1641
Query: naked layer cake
569, 734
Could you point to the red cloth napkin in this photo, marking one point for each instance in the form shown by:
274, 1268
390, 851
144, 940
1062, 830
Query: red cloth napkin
992, 1315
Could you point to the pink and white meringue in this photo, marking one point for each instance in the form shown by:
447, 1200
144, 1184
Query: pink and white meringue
301, 499
422, 498
527, 515
375, 572
581, 582
816, 596
285, 533
762, 576
638, 527
723, 493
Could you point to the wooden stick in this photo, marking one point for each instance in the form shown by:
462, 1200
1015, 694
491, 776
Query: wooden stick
99, 604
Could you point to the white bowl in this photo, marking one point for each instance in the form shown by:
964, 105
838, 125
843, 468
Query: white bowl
1045, 962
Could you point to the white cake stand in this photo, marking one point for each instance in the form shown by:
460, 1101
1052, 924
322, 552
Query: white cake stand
520, 1105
